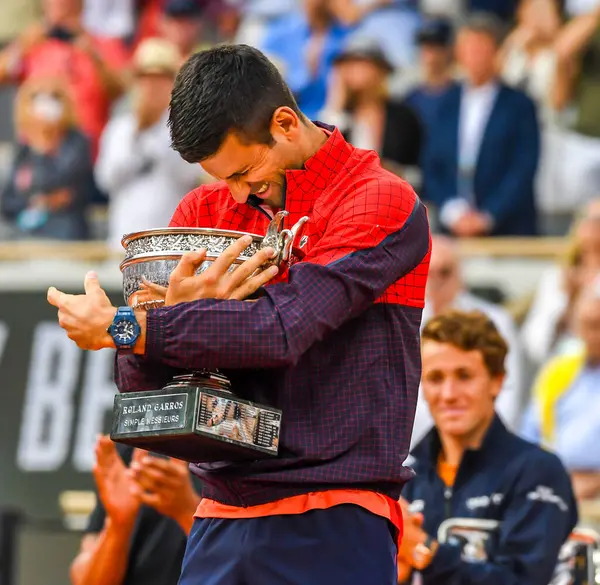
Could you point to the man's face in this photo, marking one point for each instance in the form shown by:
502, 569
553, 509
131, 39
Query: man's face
363, 75
184, 33
259, 169
55, 11
152, 95
443, 282
435, 59
476, 53
458, 388
587, 316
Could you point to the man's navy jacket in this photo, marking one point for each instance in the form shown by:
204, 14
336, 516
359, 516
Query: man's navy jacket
509, 480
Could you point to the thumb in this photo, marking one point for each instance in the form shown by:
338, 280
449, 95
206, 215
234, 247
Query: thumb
91, 284
189, 263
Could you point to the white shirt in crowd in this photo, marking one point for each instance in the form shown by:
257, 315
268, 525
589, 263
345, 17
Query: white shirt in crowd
510, 402
476, 107
109, 18
143, 176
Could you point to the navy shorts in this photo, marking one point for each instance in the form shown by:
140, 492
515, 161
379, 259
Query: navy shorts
343, 545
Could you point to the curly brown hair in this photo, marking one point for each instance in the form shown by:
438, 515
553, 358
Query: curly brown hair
470, 331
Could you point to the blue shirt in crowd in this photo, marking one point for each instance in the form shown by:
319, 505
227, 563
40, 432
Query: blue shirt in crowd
285, 43
577, 433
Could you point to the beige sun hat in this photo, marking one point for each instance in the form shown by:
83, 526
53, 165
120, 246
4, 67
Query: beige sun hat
156, 56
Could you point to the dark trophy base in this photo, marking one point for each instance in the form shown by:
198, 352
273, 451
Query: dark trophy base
197, 419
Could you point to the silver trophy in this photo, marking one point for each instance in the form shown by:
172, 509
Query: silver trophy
197, 417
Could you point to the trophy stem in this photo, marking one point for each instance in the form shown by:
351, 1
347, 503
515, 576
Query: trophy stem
201, 378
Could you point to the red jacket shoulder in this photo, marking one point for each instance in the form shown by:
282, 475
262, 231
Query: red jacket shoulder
201, 206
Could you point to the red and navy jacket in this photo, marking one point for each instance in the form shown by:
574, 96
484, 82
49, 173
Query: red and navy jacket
335, 345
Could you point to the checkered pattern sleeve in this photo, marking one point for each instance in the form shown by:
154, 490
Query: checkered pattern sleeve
371, 243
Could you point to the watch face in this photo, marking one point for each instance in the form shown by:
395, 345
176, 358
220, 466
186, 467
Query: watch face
124, 332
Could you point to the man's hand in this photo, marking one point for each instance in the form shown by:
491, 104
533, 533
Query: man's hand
87, 317
412, 536
165, 485
471, 224
218, 282
586, 484
115, 488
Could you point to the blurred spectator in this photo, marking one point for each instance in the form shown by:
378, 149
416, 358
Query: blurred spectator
228, 17
48, 187
436, 63
143, 176
503, 9
359, 105
393, 23
16, 16
577, 89
110, 18
528, 56
303, 45
61, 46
182, 25
258, 16
563, 414
577, 7
547, 328
481, 163
471, 467
451, 9
138, 532
446, 290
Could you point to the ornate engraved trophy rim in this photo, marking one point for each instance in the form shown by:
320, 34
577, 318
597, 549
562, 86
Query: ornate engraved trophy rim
128, 238
171, 255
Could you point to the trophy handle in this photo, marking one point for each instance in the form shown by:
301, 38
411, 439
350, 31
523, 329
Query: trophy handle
290, 240
272, 237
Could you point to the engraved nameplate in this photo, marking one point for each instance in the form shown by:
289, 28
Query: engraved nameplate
151, 413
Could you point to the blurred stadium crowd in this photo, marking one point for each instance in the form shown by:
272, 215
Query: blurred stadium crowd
490, 108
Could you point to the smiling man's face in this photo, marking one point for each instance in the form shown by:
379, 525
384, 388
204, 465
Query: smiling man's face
259, 169
458, 388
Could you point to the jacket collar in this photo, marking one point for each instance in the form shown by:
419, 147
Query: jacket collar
304, 186
427, 451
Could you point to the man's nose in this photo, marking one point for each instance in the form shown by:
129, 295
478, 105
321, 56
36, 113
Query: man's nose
239, 191
448, 390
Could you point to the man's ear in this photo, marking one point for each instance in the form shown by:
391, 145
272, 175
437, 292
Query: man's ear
497, 383
285, 124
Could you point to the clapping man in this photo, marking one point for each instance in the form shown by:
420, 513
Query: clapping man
138, 532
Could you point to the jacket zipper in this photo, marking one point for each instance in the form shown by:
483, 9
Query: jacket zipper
258, 208
447, 502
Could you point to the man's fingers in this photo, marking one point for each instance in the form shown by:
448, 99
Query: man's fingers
56, 297
158, 290
106, 451
221, 265
151, 480
150, 499
249, 267
251, 285
189, 263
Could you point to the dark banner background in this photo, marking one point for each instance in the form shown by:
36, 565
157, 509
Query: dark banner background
55, 399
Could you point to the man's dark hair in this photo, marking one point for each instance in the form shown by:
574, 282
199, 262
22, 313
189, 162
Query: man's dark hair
230, 88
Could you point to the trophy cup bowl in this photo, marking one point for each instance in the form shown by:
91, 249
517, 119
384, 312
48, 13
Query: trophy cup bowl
197, 417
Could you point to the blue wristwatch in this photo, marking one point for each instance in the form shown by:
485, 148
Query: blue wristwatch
124, 329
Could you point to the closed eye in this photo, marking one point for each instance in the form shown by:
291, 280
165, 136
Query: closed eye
237, 176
